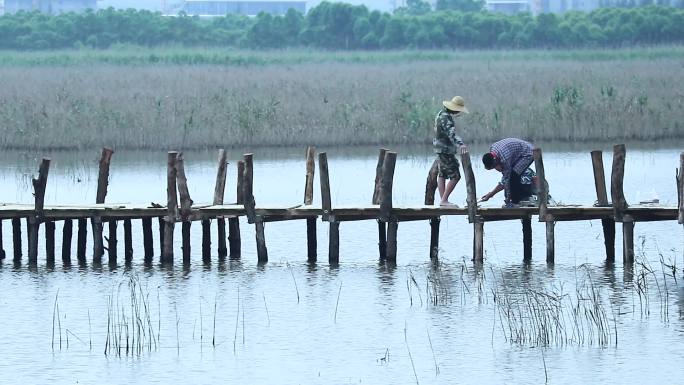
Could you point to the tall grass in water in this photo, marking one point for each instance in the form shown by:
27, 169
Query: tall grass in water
129, 320
339, 103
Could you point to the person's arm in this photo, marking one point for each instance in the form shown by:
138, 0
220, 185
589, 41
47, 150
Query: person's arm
490, 194
451, 131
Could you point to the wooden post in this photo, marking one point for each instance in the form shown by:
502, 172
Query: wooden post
434, 238
103, 175
2, 248
112, 242
128, 241
16, 239
98, 246
50, 243
101, 194
430, 188
248, 188
382, 239
234, 239
392, 228
147, 239
386, 189
382, 226
326, 201
628, 240
543, 195
470, 187
219, 189
311, 241
67, 231
81, 239
334, 243
550, 242
602, 201
206, 240
172, 207
34, 221
186, 205
262, 252
616, 179
478, 241
161, 235
527, 238
680, 190
185, 229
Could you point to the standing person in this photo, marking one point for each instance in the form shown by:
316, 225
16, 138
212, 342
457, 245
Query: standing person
512, 157
446, 143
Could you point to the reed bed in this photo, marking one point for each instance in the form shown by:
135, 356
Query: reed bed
339, 103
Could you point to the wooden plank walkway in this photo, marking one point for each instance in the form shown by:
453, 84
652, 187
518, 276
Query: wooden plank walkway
180, 208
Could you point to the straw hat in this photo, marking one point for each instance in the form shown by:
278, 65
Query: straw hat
456, 104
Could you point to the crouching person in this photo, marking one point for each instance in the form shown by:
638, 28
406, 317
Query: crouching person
512, 158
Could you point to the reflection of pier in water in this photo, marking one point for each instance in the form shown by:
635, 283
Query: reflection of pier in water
381, 209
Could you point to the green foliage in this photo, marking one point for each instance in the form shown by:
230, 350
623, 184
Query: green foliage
339, 26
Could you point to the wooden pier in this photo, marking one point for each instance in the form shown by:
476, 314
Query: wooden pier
180, 208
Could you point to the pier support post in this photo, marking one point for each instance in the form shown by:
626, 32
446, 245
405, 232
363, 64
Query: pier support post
234, 237
98, 246
147, 240
185, 229
2, 248
81, 239
627, 241
392, 228
101, 194
67, 231
382, 239
543, 195
377, 191
128, 242
50, 243
16, 239
161, 235
386, 205
206, 240
430, 188
527, 238
172, 207
39, 185
112, 243
550, 242
334, 243
478, 241
262, 252
219, 192
680, 190
311, 241
607, 224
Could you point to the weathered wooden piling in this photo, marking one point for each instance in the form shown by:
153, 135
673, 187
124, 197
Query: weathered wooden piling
112, 243
382, 226
250, 209
67, 231
607, 224
186, 205
16, 239
102, 184
147, 240
311, 241
234, 238
543, 196
128, 241
81, 239
620, 203
527, 238
2, 247
386, 205
680, 190
327, 212
39, 185
206, 240
172, 208
219, 190
50, 243
430, 189
161, 235
471, 200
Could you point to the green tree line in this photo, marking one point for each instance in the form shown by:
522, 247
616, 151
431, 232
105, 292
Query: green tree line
344, 26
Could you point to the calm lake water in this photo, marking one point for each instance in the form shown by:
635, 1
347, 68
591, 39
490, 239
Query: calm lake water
288, 322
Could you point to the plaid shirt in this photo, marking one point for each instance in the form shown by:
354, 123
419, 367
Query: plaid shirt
514, 155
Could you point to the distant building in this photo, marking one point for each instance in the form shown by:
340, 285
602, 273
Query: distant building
52, 7
508, 7
248, 8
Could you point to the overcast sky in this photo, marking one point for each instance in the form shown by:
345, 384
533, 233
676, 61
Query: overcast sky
383, 5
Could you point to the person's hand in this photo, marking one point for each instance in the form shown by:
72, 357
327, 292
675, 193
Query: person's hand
464, 149
485, 197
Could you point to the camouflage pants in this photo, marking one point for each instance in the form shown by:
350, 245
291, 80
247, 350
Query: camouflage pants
448, 166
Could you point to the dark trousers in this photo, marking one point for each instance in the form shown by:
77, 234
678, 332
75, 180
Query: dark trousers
519, 191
